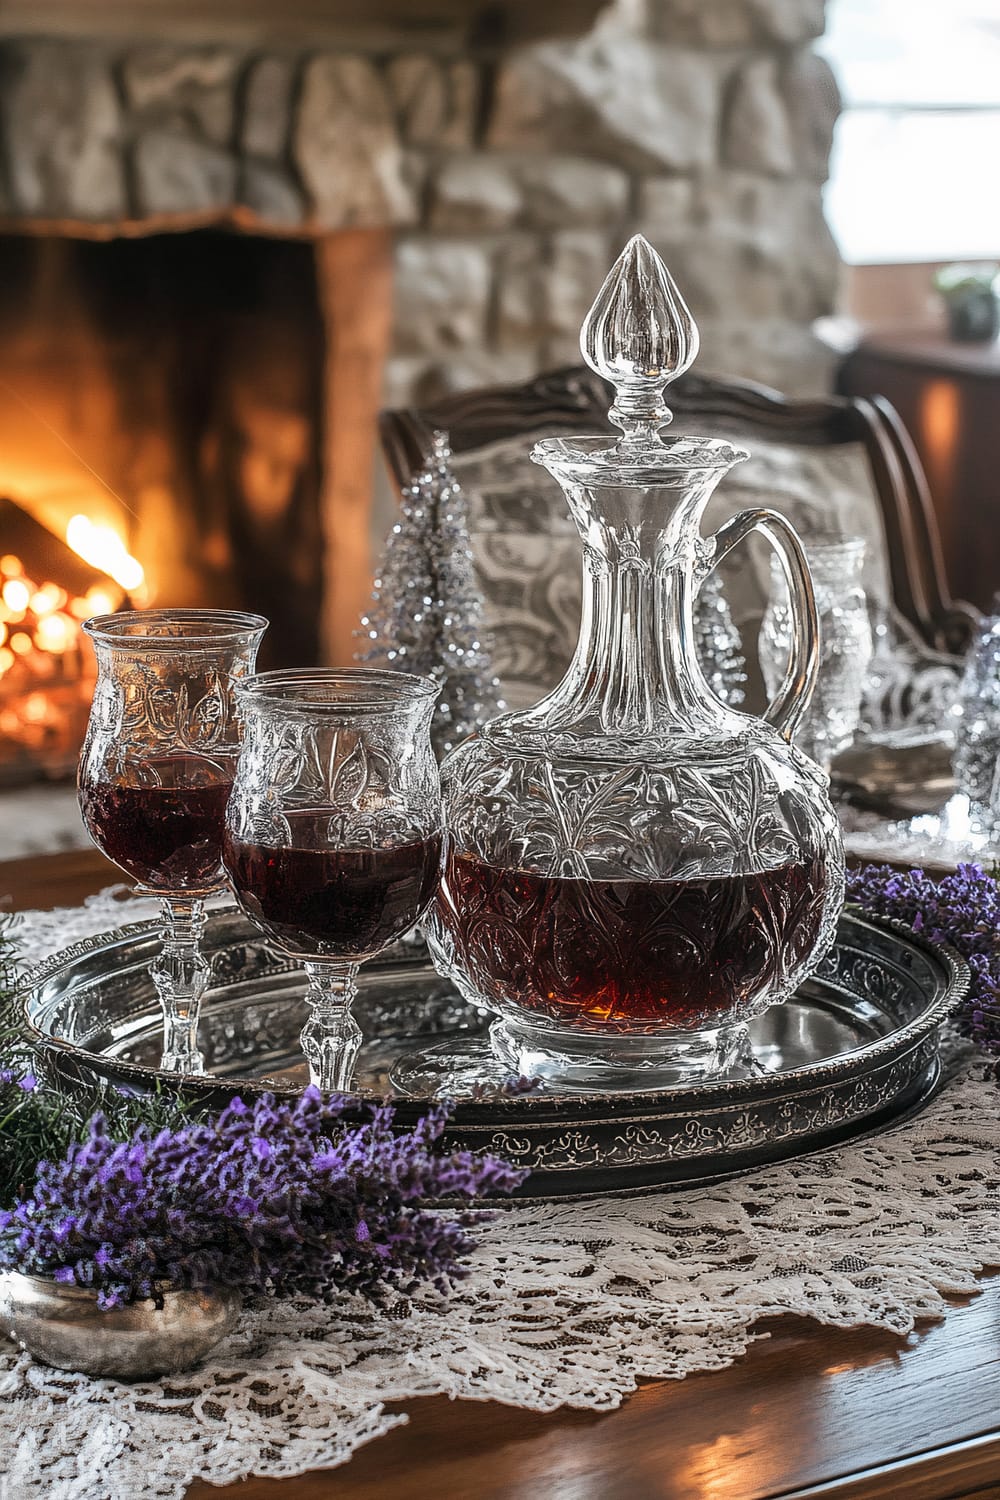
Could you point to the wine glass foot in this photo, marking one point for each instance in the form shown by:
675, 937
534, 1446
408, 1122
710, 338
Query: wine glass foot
191, 1065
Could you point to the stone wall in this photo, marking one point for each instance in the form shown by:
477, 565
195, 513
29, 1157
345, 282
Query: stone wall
511, 181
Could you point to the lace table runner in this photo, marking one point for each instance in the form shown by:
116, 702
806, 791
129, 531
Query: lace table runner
567, 1305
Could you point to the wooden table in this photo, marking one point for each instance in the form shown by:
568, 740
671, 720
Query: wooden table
809, 1412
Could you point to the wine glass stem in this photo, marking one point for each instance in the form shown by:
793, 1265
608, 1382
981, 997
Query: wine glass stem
181, 976
331, 1038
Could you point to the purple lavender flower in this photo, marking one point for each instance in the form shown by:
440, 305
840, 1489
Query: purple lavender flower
962, 909
275, 1198
26, 1082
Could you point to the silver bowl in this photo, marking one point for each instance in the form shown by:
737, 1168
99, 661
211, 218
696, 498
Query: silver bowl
63, 1326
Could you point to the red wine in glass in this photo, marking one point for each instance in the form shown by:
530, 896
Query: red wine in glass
163, 825
630, 955
313, 899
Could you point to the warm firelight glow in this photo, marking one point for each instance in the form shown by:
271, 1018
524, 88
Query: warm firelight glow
17, 595
49, 597
40, 624
34, 710
46, 678
55, 633
103, 548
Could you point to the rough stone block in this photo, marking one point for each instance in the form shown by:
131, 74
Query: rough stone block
813, 106
757, 131
177, 174
560, 191
435, 102
442, 295
270, 192
267, 97
789, 21
519, 267
472, 367
474, 192
725, 23
751, 246
638, 104
464, 87
193, 85
579, 261
773, 350
346, 146
666, 207
61, 126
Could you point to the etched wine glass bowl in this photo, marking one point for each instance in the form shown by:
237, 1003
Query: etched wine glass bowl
155, 775
333, 833
634, 869
846, 646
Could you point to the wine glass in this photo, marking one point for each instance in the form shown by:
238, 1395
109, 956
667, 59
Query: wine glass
155, 775
333, 838
845, 645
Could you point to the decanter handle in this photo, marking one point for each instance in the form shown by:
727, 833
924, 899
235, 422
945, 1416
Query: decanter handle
796, 689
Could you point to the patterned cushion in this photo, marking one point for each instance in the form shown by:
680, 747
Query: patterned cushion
528, 553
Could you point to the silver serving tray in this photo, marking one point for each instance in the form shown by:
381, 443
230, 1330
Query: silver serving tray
854, 1051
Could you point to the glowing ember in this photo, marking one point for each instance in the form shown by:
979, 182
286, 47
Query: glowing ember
46, 671
103, 548
55, 633
16, 595
49, 597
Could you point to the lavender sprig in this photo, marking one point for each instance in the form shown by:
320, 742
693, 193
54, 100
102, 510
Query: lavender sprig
278, 1198
962, 909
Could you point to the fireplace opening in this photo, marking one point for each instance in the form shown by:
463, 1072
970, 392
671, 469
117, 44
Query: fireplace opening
165, 395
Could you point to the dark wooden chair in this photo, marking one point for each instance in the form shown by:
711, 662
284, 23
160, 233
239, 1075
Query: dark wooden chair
575, 400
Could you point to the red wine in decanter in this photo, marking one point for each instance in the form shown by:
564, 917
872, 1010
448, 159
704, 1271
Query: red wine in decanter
630, 954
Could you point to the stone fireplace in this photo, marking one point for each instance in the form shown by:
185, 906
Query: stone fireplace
222, 249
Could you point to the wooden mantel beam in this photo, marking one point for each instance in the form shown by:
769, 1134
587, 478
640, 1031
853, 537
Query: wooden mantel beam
424, 24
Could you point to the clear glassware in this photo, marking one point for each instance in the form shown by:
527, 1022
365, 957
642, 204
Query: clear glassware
718, 643
976, 759
334, 831
845, 645
635, 869
155, 774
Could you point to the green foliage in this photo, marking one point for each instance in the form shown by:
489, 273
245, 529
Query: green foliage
40, 1123
959, 280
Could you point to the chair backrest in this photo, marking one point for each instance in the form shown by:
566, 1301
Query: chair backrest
574, 399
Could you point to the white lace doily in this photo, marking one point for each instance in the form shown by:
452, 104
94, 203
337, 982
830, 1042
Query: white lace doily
567, 1305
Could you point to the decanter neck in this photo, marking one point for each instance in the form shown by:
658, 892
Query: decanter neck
635, 672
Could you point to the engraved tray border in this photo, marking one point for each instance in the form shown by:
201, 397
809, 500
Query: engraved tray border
595, 1144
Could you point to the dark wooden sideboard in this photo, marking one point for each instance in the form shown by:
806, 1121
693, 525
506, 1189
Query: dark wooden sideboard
948, 396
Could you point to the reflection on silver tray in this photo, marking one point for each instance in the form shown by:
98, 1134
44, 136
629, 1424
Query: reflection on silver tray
897, 802
856, 1049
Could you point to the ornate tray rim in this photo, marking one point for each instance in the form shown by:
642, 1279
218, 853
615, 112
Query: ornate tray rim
654, 1102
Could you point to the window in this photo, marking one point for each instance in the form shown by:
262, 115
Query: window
915, 174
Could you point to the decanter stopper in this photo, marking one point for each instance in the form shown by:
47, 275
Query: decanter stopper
639, 335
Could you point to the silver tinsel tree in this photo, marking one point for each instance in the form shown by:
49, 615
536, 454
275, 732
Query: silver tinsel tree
426, 613
718, 643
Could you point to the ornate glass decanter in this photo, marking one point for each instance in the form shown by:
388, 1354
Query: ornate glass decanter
636, 870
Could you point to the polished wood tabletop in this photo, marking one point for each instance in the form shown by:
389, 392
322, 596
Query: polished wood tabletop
809, 1412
